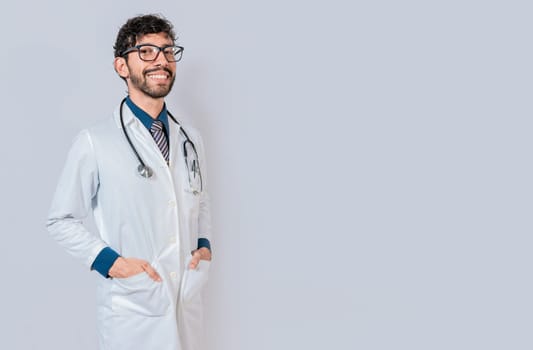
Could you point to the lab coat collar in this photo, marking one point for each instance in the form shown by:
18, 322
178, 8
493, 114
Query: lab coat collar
127, 114
145, 118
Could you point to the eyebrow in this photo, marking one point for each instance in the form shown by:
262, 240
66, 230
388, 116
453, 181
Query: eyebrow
148, 43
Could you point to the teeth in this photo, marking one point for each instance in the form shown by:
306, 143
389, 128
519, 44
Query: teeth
158, 76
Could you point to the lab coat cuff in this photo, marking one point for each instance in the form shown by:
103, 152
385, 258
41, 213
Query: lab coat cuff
103, 262
204, 242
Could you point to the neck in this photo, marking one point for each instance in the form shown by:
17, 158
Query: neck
152, 106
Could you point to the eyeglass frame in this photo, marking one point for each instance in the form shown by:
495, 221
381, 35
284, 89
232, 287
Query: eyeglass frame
160, 49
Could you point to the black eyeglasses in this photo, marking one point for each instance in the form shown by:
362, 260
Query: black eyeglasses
149, 52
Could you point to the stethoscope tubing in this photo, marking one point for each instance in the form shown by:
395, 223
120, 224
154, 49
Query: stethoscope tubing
144, 170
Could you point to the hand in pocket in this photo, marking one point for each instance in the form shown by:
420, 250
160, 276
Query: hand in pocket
194, 280
128, 267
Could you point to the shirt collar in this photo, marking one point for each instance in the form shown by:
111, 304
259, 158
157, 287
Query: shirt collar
145, 118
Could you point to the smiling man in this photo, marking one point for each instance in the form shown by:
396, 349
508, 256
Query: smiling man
142, 175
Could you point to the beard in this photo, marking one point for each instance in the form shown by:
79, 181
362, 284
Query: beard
154, 90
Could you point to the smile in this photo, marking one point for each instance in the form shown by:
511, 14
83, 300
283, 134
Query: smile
158, 76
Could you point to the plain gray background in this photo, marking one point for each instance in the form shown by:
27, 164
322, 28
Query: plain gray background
369, 168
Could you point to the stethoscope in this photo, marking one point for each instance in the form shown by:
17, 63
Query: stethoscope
195, 182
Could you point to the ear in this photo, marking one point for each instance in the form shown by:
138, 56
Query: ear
121, 67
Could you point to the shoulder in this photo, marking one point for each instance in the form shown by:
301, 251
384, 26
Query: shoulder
102, 126
191, 131
100, 130
86, 139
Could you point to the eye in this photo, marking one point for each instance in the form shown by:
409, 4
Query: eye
144, 50
169, 51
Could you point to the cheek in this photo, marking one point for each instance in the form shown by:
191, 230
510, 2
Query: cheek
172, 68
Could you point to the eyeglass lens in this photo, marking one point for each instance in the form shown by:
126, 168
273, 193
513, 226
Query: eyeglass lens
150, 53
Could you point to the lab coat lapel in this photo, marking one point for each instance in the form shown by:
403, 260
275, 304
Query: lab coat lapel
174, 142
140, 137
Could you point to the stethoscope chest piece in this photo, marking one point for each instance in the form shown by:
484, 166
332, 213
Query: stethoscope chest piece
145, 171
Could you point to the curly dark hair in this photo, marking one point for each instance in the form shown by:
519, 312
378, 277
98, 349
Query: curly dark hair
138, 26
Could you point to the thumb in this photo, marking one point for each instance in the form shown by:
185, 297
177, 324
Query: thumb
195, 260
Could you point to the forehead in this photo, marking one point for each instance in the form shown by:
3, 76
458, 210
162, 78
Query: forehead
159, 39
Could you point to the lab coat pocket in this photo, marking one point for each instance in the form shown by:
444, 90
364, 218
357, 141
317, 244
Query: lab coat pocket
140, 295
194, 280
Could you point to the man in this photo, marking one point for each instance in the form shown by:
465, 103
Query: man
143, 178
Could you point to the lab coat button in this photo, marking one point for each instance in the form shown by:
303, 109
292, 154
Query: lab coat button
171, 203
173, 239
173, 274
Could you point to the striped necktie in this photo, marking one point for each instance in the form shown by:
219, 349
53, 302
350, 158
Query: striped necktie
160, 138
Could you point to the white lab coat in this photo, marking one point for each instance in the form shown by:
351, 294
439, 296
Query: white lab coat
157, 219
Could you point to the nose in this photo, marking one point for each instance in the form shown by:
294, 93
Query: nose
161, 60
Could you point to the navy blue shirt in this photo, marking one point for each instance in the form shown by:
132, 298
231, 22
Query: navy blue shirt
145, 117
107, 256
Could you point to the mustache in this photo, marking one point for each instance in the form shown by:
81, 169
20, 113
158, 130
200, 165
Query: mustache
148, 71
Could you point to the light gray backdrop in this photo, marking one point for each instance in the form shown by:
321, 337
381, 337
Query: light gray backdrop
369, 165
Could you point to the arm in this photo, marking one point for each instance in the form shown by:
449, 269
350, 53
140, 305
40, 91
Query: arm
75, 193
204, 216
76, 189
